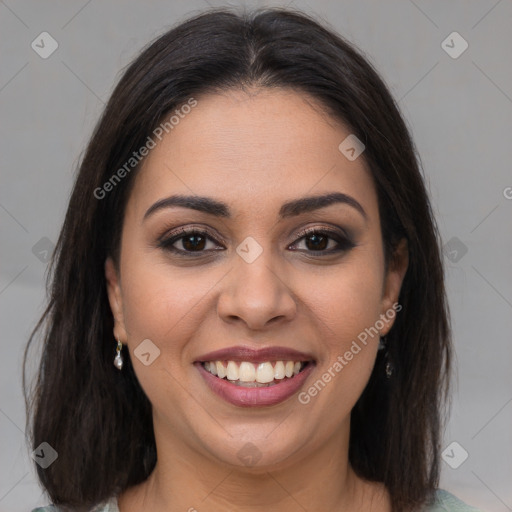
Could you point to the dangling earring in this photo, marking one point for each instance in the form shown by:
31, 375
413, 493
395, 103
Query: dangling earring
118, 360
389, 367
389, 364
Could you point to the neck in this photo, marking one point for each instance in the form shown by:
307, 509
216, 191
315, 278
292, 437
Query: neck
184, 479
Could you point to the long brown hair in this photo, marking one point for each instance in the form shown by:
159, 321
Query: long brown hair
98, 419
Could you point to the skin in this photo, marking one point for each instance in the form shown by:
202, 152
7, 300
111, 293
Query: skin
253, 150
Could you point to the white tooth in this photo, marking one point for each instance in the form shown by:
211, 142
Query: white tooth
296, 368
206, 366
232, 371
246, 372
265, 373
213, 367
279, 370
221, 371
289, 368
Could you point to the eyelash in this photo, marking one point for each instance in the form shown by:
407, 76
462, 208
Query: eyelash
344, 243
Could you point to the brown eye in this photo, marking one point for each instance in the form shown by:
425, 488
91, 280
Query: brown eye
190, 240
193, 242
318, 241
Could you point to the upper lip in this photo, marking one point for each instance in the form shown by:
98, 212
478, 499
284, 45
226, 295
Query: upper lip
253, 355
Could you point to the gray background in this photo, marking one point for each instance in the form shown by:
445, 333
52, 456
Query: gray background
460, 114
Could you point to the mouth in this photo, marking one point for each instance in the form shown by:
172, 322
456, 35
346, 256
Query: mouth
259, 375
247, 377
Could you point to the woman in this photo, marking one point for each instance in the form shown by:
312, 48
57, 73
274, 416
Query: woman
250, 242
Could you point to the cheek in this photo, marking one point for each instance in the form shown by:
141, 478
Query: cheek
162, 303
350, 300
161, 306
348, 313
152, 304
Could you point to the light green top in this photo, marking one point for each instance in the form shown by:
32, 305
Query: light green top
445, 502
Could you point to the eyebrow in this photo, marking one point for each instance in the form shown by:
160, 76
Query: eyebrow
289, 209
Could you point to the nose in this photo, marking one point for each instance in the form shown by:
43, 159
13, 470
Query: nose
256, 294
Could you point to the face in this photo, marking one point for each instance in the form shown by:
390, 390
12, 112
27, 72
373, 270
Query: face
246, 277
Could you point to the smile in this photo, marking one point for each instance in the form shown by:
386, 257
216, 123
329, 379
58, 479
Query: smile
247, 374
239, 383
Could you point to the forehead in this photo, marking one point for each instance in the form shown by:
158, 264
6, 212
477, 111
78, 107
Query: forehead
254, 150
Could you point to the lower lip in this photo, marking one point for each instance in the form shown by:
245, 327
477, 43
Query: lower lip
255, 397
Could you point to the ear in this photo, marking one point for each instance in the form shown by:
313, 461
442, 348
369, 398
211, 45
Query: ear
115, 299
392, 284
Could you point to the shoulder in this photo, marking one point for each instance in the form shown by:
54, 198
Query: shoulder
447, 502
109, 505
